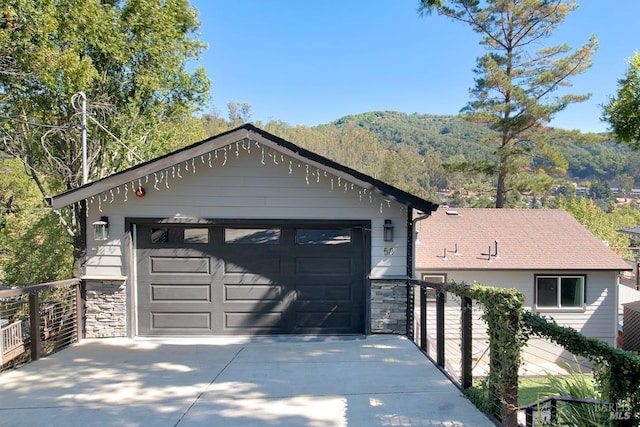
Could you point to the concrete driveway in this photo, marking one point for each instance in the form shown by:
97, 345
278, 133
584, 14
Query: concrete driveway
380, 380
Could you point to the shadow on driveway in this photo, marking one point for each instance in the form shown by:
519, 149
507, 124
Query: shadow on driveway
380, 380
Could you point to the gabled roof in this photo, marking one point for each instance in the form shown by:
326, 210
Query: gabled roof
245, 132
528, 239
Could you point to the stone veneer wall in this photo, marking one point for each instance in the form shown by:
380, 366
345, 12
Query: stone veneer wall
105, 308
388, 306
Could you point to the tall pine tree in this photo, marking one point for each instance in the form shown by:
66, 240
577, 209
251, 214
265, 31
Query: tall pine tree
516, 81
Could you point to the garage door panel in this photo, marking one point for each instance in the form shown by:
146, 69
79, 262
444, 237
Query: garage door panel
182, 292
178, 320
324, 292
323, 266
323, 319
272, 286
256, 293
191, 265
265, 265
252, 320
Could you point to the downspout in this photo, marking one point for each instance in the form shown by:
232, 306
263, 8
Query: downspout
413, 233
411, 264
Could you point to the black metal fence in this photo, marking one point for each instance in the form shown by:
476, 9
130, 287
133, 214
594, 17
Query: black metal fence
38, 320
449, 329
442, 325
568, 411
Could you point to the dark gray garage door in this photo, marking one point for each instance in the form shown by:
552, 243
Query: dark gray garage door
250, 279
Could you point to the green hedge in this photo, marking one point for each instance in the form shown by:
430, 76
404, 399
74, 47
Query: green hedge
502, 312
617, 371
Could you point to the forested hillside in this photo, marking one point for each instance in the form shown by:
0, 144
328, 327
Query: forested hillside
452, 136
416, 151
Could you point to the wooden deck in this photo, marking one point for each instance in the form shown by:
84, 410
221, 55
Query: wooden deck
12, 343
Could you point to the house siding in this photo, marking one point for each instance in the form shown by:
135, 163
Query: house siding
249, 186
244, 187
598, 319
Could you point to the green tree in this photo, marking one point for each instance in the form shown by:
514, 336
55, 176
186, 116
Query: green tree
514, 85
603, 225
623, 111
129, 57
34, 247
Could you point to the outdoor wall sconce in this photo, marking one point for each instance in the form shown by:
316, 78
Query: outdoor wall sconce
388, 230
101, 228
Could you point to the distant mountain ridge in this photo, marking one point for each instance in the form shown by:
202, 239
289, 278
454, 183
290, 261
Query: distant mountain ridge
454, 136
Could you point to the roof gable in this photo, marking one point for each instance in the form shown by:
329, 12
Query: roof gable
244, 134
527, 239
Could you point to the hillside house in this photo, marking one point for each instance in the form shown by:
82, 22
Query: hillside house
562, 269
245, 233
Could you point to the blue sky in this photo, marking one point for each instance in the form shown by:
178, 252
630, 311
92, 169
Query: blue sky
310, 62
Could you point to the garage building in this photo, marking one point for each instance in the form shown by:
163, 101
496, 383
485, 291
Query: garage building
245, 234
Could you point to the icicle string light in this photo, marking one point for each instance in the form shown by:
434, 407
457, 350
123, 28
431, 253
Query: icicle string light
174, 171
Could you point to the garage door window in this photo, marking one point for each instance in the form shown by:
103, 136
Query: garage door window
179, 235
159, 235
323, 237
195, 235
252, 236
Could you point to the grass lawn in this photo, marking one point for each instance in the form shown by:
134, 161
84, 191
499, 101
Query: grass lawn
532, 389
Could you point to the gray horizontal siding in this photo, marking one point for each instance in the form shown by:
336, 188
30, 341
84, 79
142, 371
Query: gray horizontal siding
245, 188
599, 317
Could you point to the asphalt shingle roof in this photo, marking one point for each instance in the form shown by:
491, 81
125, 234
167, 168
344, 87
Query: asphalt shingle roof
528, 239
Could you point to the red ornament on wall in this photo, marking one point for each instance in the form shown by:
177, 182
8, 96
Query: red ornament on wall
140, 192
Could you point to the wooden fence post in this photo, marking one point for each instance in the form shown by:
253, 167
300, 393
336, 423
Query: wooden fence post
34, 327
510, 397
80, 297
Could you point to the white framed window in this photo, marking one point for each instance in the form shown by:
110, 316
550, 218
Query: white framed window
434, 278
559, 292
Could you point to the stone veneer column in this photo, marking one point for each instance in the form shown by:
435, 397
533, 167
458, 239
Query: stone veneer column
388, 306
105, 308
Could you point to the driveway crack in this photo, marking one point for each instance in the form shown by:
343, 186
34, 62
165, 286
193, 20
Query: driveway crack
207, 388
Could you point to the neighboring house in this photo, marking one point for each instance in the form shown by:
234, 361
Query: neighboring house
245, 233
629, 292
562, 269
